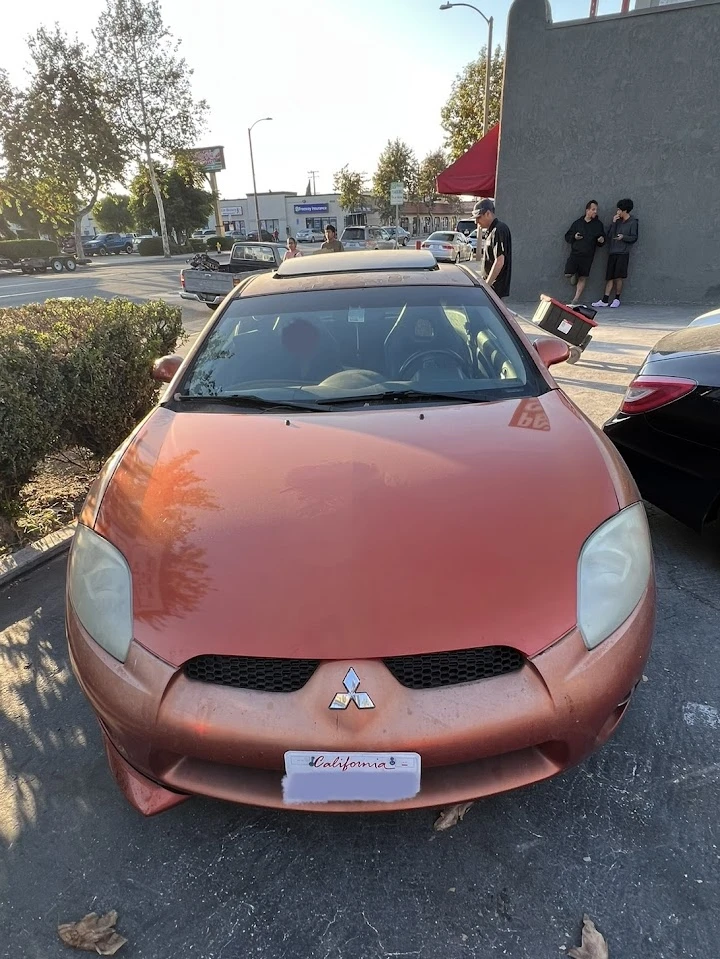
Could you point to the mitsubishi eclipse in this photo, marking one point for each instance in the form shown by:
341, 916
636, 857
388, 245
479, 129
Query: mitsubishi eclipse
363, 555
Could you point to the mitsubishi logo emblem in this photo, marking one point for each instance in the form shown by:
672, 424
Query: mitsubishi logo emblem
343, 700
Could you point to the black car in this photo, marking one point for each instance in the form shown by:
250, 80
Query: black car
668, 426
266, 237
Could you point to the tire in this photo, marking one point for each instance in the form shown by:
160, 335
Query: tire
103, 251
56, 265
128, 248
70, 265
457, 257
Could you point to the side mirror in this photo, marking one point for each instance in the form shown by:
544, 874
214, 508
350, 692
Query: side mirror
551, 350
166, 367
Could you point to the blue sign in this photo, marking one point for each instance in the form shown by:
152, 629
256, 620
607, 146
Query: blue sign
311, 207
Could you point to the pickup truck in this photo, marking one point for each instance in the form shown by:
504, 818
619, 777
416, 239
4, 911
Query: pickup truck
212, 286
105, 243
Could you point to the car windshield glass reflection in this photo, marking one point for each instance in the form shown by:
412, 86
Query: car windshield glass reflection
328, 345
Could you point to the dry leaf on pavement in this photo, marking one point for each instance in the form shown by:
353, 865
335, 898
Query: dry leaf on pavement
451, 816
93, 933
593, 943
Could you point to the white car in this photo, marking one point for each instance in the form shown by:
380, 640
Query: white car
707, 319
448, 246
309, 236
138, 239
367, 238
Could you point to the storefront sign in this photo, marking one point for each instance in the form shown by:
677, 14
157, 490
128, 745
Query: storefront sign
311, 207
228, 211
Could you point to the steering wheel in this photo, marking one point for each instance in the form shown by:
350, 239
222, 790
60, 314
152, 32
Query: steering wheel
413, 363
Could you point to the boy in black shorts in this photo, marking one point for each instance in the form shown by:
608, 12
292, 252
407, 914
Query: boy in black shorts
621, 234
584, 237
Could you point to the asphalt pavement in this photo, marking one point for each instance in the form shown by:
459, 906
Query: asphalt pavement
630, 837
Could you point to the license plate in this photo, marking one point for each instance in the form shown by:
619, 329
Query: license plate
318, 777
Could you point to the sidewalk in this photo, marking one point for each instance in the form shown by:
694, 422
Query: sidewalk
663, 318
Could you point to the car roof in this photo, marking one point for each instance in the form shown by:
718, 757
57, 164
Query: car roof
265, 284
365, 261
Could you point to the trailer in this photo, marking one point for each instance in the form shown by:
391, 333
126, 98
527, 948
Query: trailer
41, 264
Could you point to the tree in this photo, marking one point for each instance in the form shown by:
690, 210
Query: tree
112, 213
430, 168
396, 162
59, 147
186, 203
149, 86
350, 186
462, 115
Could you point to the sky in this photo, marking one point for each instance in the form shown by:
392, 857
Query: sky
339, 77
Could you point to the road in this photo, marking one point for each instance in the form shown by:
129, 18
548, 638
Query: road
630, 837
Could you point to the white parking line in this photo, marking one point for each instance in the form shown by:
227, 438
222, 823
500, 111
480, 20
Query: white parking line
47, 289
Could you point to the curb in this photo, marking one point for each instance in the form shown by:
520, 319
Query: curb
31, 557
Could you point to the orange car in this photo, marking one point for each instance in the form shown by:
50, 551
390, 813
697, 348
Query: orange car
364, 554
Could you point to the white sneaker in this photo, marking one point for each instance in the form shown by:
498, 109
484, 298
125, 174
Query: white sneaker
600, 305
615, 303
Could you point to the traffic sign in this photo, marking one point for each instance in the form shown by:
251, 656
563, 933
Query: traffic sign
397, 192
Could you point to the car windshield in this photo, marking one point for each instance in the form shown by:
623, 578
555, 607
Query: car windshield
343, 345
465, 226
442, 237
354, 233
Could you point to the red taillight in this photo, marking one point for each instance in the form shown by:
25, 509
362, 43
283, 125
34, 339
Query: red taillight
647, 393
446, 246
182, 279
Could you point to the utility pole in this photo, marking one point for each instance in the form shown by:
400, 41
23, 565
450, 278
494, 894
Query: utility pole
311, 174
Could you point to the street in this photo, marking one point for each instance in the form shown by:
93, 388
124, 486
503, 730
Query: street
630, 837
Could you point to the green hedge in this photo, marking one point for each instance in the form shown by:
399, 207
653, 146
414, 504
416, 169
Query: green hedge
226, 243
16, 249
152, 246
196, 245
76, 373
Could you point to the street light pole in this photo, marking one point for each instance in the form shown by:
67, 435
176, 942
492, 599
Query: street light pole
488, 59
252, 167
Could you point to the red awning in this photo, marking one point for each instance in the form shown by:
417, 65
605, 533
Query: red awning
473, 173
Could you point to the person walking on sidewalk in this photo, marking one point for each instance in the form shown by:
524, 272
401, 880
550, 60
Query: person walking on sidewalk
585, 235
621, 234
496, 251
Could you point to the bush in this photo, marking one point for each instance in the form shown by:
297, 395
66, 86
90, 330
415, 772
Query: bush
226, 243
76, 373
16, 249
197, 245
151, 246
32, 396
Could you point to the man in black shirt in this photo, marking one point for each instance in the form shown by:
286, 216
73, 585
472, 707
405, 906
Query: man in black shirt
496, 251
585, 235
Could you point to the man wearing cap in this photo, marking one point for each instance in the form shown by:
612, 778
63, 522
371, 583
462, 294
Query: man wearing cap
331, 244
496, 252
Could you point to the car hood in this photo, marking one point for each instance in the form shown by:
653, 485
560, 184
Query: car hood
357, 534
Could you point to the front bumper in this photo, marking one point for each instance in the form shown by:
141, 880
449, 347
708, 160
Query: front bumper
168, 737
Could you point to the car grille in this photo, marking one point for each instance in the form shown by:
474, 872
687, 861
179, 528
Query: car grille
251, 672
435, 670
422, 671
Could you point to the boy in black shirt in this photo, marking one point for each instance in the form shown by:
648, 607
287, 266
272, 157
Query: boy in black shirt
585, 235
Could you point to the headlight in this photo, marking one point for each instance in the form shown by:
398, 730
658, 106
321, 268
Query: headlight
614, 569
100, 590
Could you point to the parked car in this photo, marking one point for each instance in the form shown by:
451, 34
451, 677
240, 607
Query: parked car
266, 236
367, 238
236, 235
212, 286
668, 426
203, 234
105, 243
137, 240
448, 247
309, 236
707, 319
314, 578
465, 226
398, 233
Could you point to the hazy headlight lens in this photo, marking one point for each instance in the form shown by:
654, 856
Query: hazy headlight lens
100, 590
614, 569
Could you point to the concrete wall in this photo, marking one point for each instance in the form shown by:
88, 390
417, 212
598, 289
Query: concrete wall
607, 108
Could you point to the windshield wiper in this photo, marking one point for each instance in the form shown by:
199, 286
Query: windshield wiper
249, 400
411, 396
